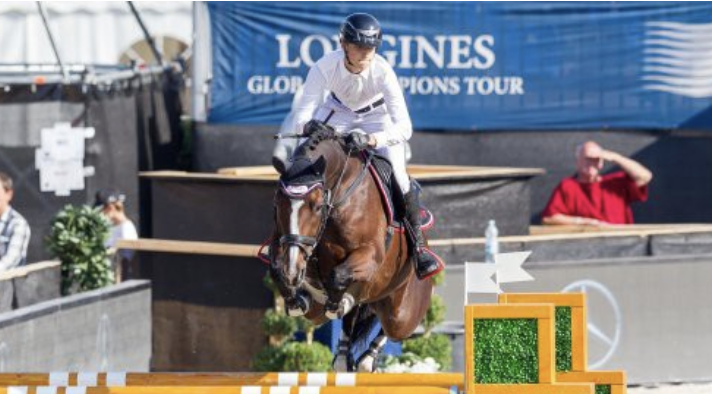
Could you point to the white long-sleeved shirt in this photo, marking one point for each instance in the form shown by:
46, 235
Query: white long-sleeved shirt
356, 91
123, 230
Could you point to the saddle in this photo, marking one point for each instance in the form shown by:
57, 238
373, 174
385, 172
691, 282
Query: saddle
381, 170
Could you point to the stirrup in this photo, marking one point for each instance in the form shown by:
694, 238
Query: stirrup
439, 265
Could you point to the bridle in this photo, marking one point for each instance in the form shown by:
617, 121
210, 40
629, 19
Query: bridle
306, 244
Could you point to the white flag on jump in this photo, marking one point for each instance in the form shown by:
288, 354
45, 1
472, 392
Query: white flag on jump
479, 278
509, 267
486, 277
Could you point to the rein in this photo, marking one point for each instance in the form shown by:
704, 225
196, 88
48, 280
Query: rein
343, 198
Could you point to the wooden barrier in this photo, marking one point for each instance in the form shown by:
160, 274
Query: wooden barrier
579, 332
542, 313
225, 390
558, 388
615, 380
131, 379
522, 313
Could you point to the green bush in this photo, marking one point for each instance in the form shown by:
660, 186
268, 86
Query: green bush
506, 351
435, 313
305, 357
278, 325
438, 279
563, 338
408, 362
269, 359
436, 346
77, 236
293, 357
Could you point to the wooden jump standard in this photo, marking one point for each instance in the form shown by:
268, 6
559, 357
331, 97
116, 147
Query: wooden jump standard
535, 310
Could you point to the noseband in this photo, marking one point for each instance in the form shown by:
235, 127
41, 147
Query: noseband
307, 245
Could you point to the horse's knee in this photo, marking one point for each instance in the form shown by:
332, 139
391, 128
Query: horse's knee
341, 277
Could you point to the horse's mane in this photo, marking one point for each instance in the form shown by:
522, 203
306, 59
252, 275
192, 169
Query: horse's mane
316, 135
305, 166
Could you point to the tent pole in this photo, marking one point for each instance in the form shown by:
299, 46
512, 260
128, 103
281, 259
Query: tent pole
63, 70
146, 34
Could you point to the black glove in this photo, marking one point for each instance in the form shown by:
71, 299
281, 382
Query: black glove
317, 127
357, 141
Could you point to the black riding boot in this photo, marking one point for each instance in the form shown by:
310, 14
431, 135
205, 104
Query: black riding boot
427, 263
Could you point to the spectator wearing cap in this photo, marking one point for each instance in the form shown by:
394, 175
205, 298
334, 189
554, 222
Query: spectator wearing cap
111, 203
14, 230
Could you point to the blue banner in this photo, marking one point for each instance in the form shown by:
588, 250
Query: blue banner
482, 66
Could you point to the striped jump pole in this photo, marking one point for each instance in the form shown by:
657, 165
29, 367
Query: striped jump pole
223, 390
136, 379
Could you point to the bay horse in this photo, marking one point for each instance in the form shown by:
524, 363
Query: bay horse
329, 256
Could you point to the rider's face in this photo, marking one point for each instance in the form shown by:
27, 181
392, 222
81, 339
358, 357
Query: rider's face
360, 57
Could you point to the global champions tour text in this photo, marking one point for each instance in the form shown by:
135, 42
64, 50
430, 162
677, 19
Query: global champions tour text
455, 52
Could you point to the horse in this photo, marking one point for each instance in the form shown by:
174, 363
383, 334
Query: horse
331, 256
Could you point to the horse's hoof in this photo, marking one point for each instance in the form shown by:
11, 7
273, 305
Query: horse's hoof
343, 308
340, 363
299, 305
330, 312
367, 364
296, 312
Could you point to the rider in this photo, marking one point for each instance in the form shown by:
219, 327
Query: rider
366, 100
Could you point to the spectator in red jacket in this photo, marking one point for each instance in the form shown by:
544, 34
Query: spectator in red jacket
589, 198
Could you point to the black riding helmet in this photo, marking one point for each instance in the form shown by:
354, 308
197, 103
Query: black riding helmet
361, 29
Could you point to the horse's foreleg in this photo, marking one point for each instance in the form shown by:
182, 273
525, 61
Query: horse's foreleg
358, 267
340, 307
341, 362
299, 304
369, 360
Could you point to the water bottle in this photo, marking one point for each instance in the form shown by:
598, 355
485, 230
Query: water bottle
491, 242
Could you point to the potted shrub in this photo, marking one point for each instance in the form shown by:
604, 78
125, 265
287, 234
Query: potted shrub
77, 236
284, 354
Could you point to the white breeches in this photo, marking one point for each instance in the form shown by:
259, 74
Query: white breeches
376, 120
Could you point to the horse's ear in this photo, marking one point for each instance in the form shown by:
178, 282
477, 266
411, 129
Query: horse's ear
319, 166
278, 164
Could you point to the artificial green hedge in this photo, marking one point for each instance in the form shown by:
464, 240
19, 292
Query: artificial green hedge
506, 351
603, 389
563, 339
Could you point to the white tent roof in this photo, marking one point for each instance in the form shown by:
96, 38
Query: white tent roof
64, 7
86, 32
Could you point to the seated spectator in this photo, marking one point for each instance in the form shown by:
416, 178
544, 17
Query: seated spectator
14, 230
589, 198
111, 203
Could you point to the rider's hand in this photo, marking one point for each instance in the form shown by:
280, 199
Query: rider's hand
357, 141
315, 126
